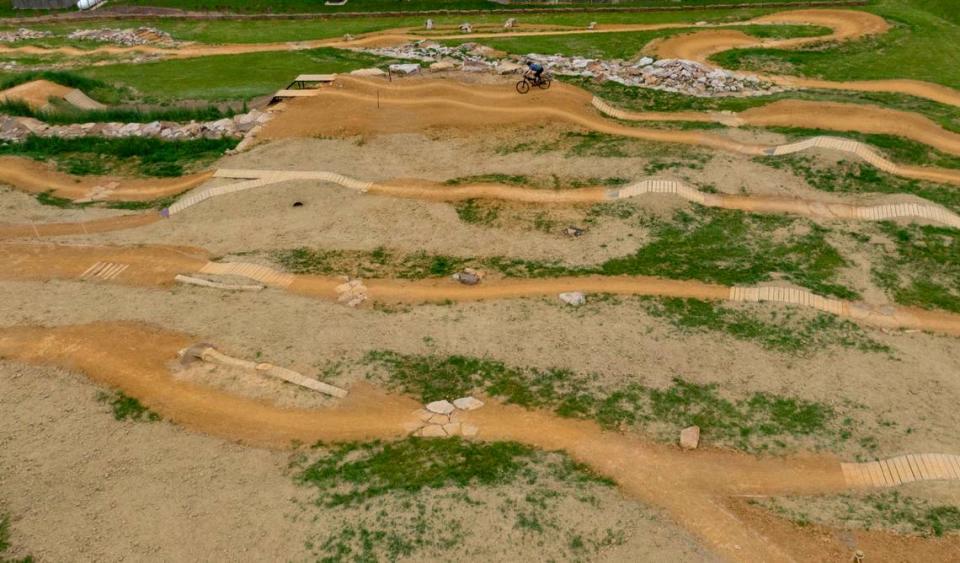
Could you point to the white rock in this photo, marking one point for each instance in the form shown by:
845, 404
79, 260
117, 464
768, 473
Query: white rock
432, 431
467, 403
645, 61
441, 407
508, 68
574, 298
405, 68
690, 437
442, 66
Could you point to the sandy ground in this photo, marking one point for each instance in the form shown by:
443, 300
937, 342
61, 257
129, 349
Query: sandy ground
82, 486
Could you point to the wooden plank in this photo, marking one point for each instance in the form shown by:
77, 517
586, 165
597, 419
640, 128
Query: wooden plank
316, 78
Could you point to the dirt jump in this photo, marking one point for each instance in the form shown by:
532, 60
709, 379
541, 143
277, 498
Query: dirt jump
695, 488
38, 93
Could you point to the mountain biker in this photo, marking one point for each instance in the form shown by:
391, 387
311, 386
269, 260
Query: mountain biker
536, 68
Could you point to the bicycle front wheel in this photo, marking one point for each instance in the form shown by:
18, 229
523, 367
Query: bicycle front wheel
523, 86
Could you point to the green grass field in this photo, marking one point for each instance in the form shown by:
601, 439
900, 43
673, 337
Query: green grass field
923, 45
227, 77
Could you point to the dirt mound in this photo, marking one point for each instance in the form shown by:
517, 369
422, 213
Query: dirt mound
37, 93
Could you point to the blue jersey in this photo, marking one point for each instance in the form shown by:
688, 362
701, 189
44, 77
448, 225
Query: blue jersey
535, 67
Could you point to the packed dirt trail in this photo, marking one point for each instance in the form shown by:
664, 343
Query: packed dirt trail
823, 115
158, 266
35, 177
373, 107
847, 25
691, 486
881, 208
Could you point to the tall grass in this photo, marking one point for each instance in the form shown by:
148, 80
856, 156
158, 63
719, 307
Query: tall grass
65, 115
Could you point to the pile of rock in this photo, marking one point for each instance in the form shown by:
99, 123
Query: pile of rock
127, 37
671, 75
441, 418
22, 34
17, 129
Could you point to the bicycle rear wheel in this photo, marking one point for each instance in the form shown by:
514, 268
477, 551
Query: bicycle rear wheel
545, 83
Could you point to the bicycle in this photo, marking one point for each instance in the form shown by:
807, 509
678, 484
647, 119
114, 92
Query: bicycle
524, 85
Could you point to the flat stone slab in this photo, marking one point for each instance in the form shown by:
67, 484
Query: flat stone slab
441, 407
574, 298
432, 431
468, 403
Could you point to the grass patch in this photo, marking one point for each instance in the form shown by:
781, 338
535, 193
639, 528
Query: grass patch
756, 422
47, 198
552, 182
860, 178
511, 180
924, 268
5, 542
422, 497
784, 331
64, 114
625, 44
383, 263
921, 46
477, 212
140, 155
227, 77
356, 472
711, 245
736, 248
888, 510
125, 407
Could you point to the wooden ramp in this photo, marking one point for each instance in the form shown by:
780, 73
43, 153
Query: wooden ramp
303, 86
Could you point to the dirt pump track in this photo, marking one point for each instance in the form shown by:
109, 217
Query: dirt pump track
372, 106
696, 488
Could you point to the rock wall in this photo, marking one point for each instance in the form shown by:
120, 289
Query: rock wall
17, 129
